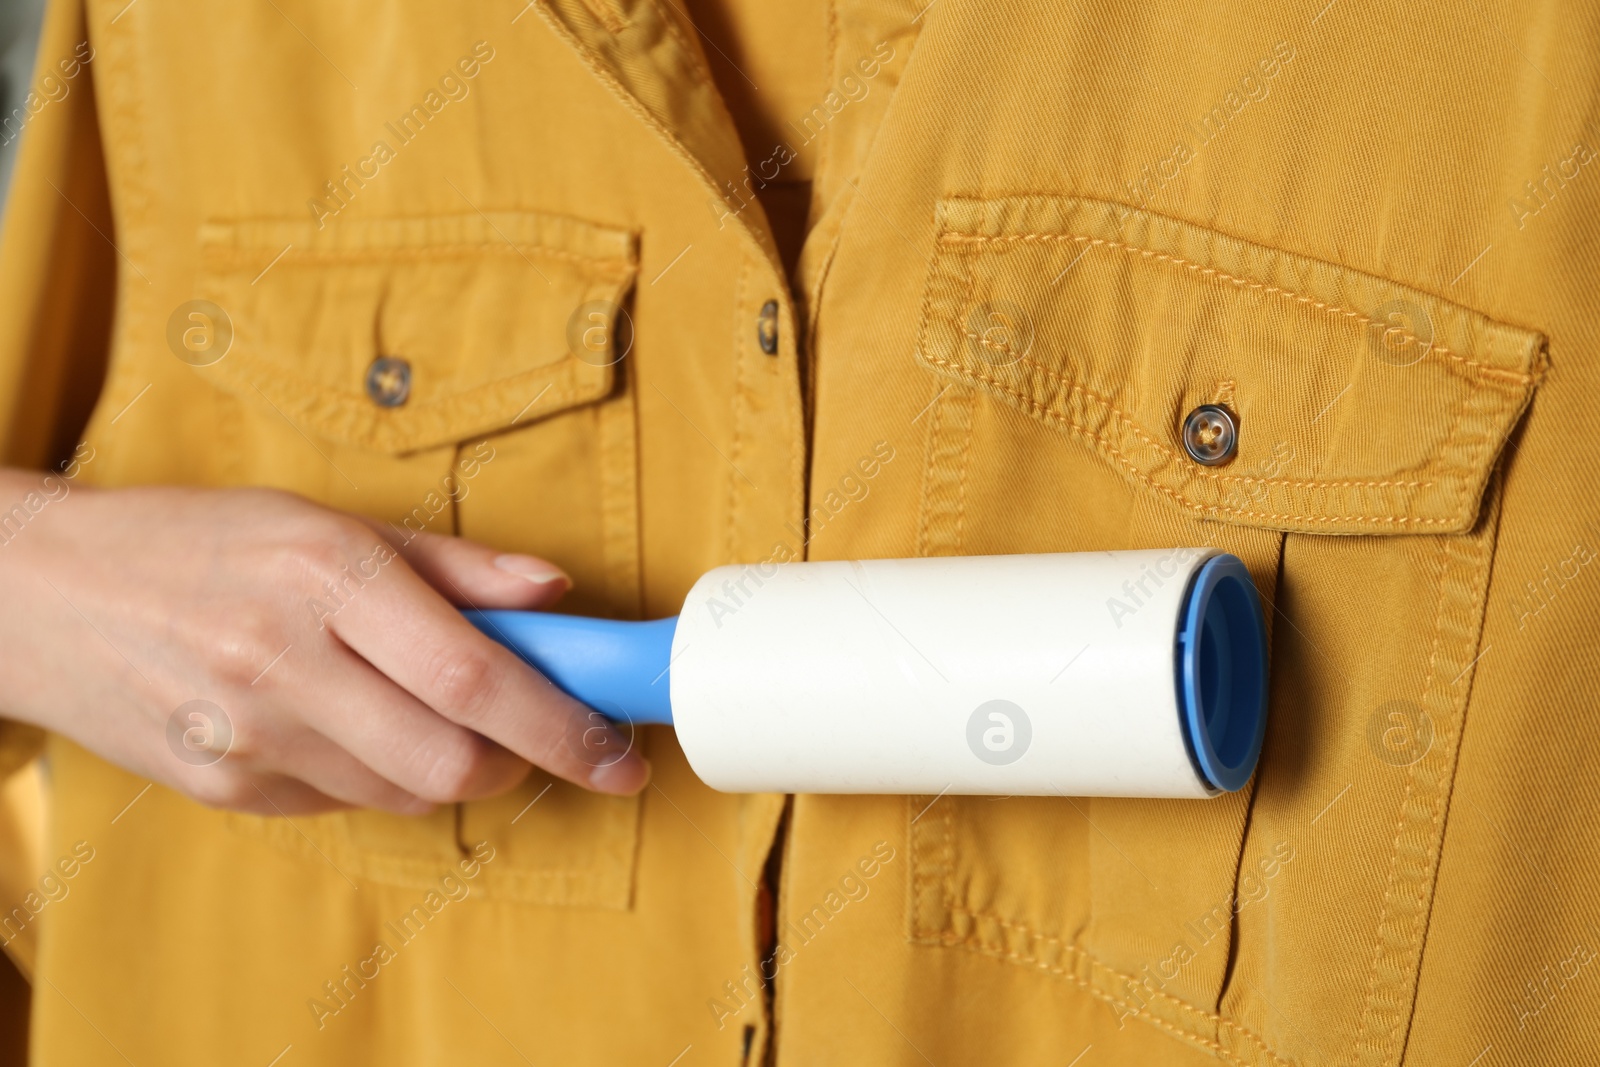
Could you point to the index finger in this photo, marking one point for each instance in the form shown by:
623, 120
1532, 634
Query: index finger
406, 629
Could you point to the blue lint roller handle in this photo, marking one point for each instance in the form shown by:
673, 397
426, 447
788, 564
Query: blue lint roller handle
618, 668
1135, 673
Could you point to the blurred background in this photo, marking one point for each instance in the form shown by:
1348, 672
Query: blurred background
19, 39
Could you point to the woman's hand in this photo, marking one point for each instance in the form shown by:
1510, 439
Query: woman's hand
333, 645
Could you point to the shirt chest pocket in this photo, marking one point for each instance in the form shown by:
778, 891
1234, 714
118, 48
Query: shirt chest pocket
439, 372
1075, 341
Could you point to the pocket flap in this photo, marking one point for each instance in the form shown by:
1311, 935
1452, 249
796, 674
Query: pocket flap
499, 318
1363, 406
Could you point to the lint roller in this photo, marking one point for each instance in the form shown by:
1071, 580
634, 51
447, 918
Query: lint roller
1135, 674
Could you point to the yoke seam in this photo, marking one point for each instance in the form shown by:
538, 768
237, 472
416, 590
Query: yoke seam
1483, 369
227, 255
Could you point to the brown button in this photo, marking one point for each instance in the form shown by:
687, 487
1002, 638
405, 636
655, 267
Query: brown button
389, 381
767, 328
1210, 435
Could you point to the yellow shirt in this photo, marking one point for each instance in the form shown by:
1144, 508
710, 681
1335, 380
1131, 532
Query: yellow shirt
771, 65
1039, 236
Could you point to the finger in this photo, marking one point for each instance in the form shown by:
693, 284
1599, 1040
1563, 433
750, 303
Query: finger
409, 633
254, 793
331, 770
392, 734
227, 784
284, 796
471, 575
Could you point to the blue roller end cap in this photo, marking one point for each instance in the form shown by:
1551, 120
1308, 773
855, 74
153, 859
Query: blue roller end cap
1222, 672
621, 669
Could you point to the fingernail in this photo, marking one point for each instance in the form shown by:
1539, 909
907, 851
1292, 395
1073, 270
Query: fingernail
534, 570
625, 777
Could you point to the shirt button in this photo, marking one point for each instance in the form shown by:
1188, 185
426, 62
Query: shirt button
767, 327
1210, 435
389, 381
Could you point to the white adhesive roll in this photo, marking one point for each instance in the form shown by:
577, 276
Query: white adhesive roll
1024, 675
